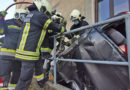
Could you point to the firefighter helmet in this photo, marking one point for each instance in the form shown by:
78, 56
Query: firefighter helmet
38, 4
43, 6
75, 15
20, 14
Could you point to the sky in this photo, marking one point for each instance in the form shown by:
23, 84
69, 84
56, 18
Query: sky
4, 5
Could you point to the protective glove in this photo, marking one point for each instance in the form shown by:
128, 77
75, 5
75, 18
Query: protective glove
3, 13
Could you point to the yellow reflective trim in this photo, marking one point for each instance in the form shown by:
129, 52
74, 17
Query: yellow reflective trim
26, 57
47, 24
62, 30
8, 50
46, 49
43, 33
12, 26
28, 52
41, 40
12, 85
50, 31
39, 76
1, 31
24, 36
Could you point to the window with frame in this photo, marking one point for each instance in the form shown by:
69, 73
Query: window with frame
108, 8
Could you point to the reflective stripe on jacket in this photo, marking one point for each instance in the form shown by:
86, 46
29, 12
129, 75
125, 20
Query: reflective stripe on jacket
8, 48
34, 32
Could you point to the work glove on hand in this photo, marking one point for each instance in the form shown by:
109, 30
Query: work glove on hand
3, 13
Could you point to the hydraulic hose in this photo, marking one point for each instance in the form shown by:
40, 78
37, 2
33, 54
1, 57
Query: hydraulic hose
17, 3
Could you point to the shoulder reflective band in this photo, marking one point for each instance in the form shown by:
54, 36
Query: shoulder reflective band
46, 50
26, 57
14, 27
24, 36
8, 50
47, 24
27, 53
43, 33
39, 77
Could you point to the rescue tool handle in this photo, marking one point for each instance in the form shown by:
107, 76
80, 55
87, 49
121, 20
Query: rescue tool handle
17, 3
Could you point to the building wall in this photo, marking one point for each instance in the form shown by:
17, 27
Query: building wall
86, 7
22, 6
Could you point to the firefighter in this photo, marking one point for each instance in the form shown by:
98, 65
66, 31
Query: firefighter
36, 24
1, 42
78, 21
47, 46
45, 50
58, 18
8, 49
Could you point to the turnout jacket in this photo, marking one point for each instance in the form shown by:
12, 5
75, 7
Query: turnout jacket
12, 32
34, 31
47, 45
81, 23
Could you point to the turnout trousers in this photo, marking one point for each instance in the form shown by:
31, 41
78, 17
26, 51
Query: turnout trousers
27, 71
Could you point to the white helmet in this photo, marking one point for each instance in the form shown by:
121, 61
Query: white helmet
20, 14
57, 15
45, 4
75, 14
38, 4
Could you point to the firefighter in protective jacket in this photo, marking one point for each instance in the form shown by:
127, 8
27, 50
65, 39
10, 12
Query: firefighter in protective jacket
8, 49
78, 21
47, 46
34, 31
